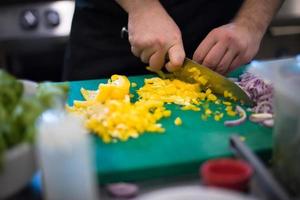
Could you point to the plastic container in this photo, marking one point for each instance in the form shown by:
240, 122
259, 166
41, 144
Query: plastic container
226, 173
284, 74
65, 157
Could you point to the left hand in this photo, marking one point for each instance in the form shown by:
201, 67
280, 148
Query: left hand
228, 47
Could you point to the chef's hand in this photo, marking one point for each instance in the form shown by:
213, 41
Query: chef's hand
228, 47
154, 36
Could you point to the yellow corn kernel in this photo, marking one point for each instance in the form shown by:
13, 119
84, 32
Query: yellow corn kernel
231, 113
202, 80
218, 117
228, 108
178, 121
167, 113
204, 117
208, 111
227, 103
208, 91
211, 97
227, 94
190, 107
202, 95
217, 102
192, 69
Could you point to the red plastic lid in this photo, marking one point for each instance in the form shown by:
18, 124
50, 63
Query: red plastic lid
226, 173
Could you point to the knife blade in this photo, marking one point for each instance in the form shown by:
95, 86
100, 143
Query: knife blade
217, 83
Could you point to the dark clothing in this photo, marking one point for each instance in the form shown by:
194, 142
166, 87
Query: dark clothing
96, 49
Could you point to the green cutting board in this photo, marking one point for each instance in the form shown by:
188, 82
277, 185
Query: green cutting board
178, 151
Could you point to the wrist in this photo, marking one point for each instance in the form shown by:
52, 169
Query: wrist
259, 28
134, 6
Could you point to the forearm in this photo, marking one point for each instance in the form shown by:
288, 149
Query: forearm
257, 14
134, 5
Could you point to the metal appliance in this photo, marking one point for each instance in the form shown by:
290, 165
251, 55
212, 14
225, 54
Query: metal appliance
33, 37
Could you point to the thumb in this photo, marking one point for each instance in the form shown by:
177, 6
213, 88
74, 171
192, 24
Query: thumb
176, 57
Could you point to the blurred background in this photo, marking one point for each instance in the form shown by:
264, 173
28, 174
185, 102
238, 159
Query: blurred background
34, 36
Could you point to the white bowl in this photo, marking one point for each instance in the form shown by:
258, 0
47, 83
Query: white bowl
18, 168
19, 163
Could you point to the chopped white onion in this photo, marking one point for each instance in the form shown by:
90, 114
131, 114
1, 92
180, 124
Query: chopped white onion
260, 117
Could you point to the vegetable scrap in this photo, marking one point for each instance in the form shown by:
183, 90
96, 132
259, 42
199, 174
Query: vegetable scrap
178, 121
133, 84
260, 117
242, 138
268, 122
243, 117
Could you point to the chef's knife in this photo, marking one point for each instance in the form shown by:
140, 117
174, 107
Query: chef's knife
217, 83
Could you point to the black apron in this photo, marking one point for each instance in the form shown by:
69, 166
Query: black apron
96, 49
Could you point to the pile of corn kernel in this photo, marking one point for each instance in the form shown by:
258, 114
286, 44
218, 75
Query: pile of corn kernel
109, 112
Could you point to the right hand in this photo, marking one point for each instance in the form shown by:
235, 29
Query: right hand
155, 37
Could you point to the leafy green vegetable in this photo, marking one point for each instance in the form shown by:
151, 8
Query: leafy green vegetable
18, 113
11, 91
51, 94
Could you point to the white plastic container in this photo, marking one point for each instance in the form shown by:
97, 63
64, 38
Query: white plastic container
65, 158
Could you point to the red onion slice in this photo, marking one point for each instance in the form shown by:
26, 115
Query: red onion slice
243, 117
122, 190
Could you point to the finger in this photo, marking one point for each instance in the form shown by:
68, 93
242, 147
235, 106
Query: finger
137, 52
146, 54
176, 57
204, 48
237, 61
223, 66
157, 60
215, 55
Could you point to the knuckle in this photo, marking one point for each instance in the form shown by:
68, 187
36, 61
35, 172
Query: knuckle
159, 42
176, 37
228, 38
136, 42
222, 65
245, 58
242, 46
215, 31
209, 62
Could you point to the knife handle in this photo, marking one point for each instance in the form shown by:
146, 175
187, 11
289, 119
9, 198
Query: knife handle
124, 32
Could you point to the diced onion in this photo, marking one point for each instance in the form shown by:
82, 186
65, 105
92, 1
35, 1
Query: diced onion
260, 117
243, 117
